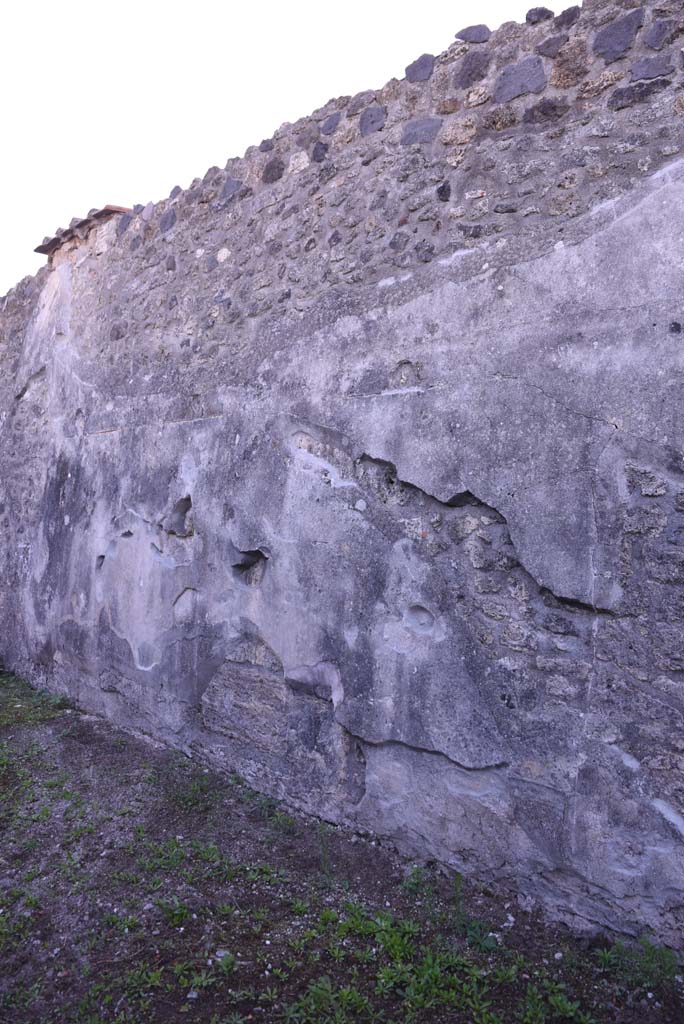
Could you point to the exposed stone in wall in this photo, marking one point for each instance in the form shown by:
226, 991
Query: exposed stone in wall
357, 466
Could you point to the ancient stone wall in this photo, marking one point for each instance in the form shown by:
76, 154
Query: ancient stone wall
358, 466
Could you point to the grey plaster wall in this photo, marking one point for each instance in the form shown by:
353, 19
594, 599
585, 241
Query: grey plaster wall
358, 467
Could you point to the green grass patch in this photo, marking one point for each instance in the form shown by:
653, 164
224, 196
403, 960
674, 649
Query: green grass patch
22, 705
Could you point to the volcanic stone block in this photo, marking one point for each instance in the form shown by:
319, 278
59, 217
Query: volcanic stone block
421, 69
474, 34
422, 130
617, 37
373, 119
520, 79
473, 68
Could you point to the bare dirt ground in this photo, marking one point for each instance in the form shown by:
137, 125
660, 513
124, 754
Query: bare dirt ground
136, 887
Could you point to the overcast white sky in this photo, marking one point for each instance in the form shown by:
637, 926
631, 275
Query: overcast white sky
117, 102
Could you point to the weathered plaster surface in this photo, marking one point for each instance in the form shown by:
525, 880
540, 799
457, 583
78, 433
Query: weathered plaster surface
392, 528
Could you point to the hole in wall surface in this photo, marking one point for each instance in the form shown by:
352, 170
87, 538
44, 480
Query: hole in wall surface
404, 375
463, 498
249, 566
178, 523
146, 658
419, 619
99, 561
